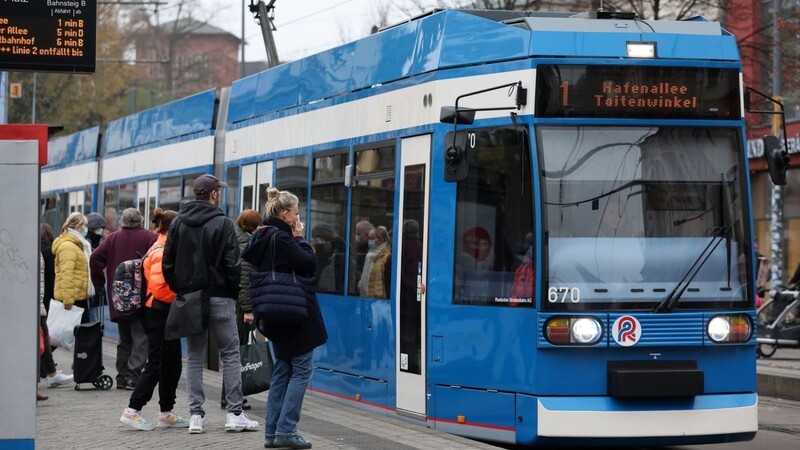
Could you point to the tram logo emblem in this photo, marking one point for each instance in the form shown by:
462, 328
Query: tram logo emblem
626, 331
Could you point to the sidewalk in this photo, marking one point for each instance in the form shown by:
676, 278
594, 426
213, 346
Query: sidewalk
89, 419
779, 375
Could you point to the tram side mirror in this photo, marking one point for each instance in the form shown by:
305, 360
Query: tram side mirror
455, 157
777, 159
448, 114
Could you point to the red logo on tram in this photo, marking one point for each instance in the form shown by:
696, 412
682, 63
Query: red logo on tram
626, 331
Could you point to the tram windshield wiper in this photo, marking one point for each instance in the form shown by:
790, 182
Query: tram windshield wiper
720, 233
672, 299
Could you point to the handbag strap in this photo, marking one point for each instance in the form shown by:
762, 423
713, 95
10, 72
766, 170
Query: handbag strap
272, 244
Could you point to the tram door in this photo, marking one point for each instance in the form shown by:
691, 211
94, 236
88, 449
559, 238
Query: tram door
77, 200
256, 179
411, 270
146, 193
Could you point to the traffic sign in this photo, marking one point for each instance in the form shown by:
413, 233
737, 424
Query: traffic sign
15, 90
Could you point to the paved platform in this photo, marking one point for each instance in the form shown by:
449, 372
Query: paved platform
779, 375
89, 419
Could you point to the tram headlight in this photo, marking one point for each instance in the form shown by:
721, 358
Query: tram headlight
586, 330
729, 329
562, 330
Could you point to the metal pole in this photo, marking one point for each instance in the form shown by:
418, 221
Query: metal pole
33, 102
776, 227
3, 97
266, 31
241, 67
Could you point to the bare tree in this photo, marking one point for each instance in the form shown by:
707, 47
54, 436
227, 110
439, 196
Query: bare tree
165, 53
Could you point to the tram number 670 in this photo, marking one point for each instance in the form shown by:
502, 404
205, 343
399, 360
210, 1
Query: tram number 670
471, 140
561, 294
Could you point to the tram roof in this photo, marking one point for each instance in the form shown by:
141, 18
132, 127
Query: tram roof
450, 39
179, 118
78, 146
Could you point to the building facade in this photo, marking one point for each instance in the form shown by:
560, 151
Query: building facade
751, 22
183, 57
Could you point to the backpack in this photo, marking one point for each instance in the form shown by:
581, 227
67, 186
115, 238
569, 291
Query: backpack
129, 288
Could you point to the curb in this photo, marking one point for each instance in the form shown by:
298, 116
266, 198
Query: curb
771, 385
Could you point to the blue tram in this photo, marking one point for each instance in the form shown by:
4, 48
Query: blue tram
530, 229
143, 160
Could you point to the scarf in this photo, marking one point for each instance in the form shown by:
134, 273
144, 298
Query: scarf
87, 250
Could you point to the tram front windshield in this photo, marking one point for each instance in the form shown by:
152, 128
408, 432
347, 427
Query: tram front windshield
631, 211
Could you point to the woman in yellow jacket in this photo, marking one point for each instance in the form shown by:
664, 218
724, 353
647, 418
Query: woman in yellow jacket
72, 252
164, 356
163, 366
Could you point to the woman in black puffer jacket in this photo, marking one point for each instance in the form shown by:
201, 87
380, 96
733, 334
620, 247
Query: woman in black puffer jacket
294, 345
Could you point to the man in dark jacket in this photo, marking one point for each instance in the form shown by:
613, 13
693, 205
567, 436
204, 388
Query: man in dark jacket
202, 253
131, 242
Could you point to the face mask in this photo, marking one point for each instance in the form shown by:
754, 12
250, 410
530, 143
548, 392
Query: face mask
85, 232
371, 244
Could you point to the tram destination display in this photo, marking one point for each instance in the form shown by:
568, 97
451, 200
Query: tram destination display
48, 35
637, 92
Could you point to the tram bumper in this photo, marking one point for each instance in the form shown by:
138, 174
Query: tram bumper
703, 418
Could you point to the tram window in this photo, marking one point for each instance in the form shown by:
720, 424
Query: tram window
188, 186
110, 196
63, 209
328, 221
262, 195
169, 193
111, 207
372, 215
87, 201
231, 203
127, 196
494, 221
291, 174
248, 197
49, 210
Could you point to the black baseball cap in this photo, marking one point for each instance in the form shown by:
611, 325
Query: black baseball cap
207, 183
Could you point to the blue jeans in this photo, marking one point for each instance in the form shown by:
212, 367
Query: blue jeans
94, 314
286, 392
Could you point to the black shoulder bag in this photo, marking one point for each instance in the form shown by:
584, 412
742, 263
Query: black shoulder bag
189, 313
280, 298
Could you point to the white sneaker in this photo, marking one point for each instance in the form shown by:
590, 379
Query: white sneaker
58, 380
196, 424
240, 422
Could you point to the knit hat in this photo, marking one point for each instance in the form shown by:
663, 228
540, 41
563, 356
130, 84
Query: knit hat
95, 221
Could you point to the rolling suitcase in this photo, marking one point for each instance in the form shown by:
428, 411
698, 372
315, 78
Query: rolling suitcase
87, 362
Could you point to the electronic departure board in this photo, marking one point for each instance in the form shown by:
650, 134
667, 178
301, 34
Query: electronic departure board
48, 35
637, 92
